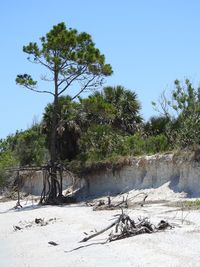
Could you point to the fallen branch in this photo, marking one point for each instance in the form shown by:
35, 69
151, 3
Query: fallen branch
84, 246
124, 227
101, 205
100, 232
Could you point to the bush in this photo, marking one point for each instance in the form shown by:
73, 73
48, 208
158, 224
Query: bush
136, 145
156, 144
7, 160
100, 142
30, 147
183, 110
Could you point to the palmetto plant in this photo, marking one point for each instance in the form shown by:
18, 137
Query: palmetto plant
125, 107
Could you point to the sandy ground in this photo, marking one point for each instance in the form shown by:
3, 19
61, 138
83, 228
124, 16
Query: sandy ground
29, 246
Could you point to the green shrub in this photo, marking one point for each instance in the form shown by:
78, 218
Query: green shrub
137, 145
30, 147
7, 160
193, 203
156, 144
183, 111
100, 142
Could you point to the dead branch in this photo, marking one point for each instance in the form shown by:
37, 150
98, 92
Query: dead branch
144, 199
124, 227
84, 246
100, 232
101, 205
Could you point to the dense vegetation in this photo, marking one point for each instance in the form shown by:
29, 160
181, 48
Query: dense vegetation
105, 125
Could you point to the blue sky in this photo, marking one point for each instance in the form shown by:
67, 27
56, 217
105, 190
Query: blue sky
149, 44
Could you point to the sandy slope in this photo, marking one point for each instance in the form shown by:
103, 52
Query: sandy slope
29, 247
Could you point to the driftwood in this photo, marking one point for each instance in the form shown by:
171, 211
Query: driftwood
101, 232
102, 205
124, 227
142, 202
124, 203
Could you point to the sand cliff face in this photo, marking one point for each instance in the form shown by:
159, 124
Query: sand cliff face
183, 175
32, 183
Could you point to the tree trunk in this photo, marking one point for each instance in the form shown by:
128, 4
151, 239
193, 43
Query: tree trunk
54, 183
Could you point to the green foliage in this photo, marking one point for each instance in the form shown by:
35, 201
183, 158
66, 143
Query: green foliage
157, 144
138, 145
192, 203
25, 80
156, 125
126, 108
135, 145
93, 129
186, 102
25, 147
75, 118
100, 142
183, 111
30, 147
7, 160
71, 122
97, 110
70, 56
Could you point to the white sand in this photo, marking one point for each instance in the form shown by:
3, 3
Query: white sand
29, 247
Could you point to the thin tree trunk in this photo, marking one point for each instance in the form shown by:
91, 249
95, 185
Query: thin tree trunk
53, 144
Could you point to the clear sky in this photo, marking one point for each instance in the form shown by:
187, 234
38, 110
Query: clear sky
149, 44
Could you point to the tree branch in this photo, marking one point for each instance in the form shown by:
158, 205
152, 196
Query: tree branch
84, 87
79, 73
68, 78
44, 78
46, 65
38, 91
36, 60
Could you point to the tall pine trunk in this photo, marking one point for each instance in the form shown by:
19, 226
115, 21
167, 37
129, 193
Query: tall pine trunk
54, 183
